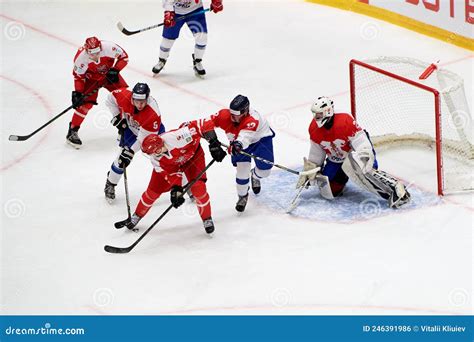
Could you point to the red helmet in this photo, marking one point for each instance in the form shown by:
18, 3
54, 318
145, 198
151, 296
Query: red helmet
93, 45
152, 144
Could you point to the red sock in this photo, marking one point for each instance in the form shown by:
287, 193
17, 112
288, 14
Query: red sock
148, 198
203, 201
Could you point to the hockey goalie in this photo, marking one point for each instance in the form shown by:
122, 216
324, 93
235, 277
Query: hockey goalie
340, 149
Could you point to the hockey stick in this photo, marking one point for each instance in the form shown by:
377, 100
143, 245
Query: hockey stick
299, 173
294, 203
26, 137
122, 250
129, 33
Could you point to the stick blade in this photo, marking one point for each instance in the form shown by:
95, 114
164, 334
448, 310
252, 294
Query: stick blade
124, 30
117, 250
17, 137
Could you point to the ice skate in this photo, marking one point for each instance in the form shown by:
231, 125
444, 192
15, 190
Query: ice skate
72, 138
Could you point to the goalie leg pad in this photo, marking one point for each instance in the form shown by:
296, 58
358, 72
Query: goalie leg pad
378, 182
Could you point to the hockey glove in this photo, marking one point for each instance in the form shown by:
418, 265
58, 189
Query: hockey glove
112, 75
217, 152
125, 157
177, 198
216, 6
120, 123
307, 166
77, 99
236, 147
169, 19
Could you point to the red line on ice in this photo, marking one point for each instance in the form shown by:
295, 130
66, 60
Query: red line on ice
43, 138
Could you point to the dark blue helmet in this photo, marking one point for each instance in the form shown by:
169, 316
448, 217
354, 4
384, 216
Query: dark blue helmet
141, 91
239, 105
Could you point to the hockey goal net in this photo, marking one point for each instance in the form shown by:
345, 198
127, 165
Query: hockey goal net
398, 109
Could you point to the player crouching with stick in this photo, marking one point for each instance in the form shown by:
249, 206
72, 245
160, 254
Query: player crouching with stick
343, 150
173, 154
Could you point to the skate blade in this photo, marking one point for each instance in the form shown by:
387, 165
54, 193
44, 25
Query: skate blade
76, 146
110, 200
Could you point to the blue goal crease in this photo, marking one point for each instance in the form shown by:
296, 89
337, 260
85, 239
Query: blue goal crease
354, 205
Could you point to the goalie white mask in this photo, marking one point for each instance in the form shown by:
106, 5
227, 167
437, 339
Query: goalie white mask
323, 110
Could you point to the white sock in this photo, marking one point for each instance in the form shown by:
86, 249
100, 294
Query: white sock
165, 47
200, 44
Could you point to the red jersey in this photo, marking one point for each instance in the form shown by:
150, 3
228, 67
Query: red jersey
182, 144
250, 130
335, 141
142, 123
110, 56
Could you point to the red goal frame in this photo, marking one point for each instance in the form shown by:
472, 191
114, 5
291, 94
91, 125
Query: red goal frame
436, 109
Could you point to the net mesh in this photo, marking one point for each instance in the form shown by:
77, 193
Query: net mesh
397, 113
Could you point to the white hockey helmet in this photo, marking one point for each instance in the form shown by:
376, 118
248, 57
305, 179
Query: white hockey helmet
323, 110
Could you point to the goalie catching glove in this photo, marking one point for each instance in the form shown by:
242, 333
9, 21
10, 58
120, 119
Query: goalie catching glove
310, 170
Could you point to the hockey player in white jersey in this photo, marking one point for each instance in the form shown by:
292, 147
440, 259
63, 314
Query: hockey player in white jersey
196, 22
249, 132
343, 150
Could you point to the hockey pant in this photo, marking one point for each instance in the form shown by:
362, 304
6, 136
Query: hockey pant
263, 149
81, 112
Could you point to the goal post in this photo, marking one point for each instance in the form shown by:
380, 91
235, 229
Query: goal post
398, 109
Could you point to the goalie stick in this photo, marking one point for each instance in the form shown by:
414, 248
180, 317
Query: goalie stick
123, 250
26, 137
294, 203
129, 33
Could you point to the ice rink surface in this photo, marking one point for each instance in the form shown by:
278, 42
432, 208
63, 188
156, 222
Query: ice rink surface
324, 258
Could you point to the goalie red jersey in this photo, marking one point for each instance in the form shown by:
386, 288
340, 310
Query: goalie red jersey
336, 140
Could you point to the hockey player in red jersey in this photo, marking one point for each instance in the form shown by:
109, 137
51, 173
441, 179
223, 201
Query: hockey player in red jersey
343, 150
96, 64
195, 19
136, 115
174, 154
250, 132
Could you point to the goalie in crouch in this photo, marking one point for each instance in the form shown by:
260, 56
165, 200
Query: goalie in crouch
343, 150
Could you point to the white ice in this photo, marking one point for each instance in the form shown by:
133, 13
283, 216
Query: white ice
319, 260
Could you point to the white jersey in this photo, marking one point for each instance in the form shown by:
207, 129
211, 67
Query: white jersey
182, 6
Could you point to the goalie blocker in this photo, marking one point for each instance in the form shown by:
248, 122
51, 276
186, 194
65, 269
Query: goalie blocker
343, 150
